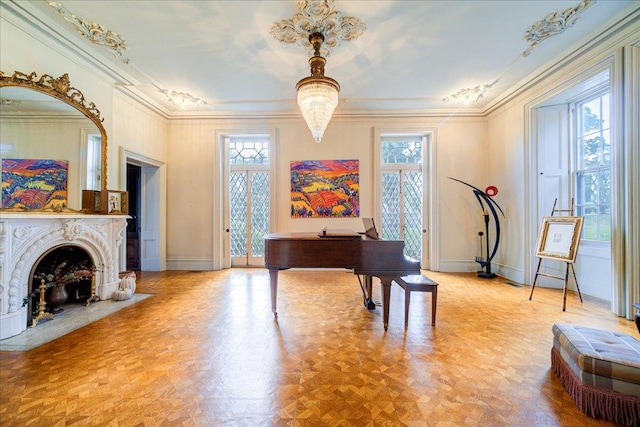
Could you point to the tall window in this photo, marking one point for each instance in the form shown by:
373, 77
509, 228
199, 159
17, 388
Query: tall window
593, 166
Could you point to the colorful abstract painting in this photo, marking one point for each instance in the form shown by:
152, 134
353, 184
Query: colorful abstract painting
34, 183
325, 189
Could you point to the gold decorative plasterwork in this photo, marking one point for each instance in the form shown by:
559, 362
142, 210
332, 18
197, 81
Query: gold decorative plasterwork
553, 24
318, 16
182, 99
57, 87
95, 32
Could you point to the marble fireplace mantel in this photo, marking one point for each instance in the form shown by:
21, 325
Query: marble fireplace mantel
25, 237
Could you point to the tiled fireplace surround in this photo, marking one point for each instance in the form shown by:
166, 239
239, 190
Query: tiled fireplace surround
26, 237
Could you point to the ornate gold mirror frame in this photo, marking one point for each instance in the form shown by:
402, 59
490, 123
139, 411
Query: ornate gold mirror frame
61, 89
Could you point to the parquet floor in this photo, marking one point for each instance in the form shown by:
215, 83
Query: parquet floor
205, 350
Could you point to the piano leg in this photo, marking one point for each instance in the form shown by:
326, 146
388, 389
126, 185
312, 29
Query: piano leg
368, 285
273, 281
386, 296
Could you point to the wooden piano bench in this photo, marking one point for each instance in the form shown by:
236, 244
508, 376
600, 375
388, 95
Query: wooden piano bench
418, 283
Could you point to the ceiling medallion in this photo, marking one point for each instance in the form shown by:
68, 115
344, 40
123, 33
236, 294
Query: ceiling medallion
553, 24
95, 32
318, 16
182, 99
316, 22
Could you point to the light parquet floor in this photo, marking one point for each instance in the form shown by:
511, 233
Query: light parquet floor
205, 350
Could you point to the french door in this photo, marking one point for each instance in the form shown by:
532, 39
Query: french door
402, 210
402, 193
248, 207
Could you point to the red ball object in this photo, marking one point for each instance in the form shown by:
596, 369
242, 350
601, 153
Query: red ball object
491, 190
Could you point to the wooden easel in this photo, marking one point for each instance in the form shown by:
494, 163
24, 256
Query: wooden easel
568, 264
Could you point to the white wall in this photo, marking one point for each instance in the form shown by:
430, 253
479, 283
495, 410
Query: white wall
194, 168
137, 130
480, 151
513, 164
505, 169
26, 48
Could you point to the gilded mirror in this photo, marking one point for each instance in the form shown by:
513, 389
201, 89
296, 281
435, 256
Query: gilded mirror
43, 117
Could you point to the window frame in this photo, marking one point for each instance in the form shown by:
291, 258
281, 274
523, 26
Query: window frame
578, 169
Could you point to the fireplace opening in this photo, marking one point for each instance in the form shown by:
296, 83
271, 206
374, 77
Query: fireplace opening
66, 270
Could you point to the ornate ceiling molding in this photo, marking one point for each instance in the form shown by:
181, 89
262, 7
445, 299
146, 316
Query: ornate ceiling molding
98, 35
182, 99
95, 32
57, 87
318, 16
553, 24
469, 95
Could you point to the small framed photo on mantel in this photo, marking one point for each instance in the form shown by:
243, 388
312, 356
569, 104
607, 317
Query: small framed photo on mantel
114, 202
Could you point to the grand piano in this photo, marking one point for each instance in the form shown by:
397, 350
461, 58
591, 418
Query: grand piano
347, 249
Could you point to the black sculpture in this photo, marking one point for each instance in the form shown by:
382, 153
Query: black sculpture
481, 196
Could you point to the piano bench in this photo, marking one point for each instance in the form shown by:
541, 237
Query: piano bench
418, 283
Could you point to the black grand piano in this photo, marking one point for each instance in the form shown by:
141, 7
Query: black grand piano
347, 249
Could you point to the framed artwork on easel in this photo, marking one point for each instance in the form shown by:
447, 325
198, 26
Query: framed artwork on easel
559, 238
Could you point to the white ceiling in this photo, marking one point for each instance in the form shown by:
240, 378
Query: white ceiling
411, 56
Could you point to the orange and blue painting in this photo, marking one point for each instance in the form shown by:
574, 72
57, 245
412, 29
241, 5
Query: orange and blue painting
34, 184
325, 189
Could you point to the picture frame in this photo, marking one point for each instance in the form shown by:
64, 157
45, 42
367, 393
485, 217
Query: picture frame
114, 202
559, 238
91, 201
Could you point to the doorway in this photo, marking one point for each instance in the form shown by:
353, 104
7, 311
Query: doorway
247, 215
404, 188
147, 191
134, 173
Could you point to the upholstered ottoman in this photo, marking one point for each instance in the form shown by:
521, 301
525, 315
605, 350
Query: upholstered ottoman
600, 370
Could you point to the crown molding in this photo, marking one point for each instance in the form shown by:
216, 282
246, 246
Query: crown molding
602, 39
95, 33
36, 23
32, 21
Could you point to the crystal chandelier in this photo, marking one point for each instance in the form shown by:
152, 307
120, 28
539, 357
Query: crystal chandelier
317, 94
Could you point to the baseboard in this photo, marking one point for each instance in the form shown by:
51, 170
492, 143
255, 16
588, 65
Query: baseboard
510, 273
458, 266
190, 264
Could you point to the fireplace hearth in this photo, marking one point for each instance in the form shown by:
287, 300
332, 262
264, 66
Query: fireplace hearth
66, 272
27, 239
